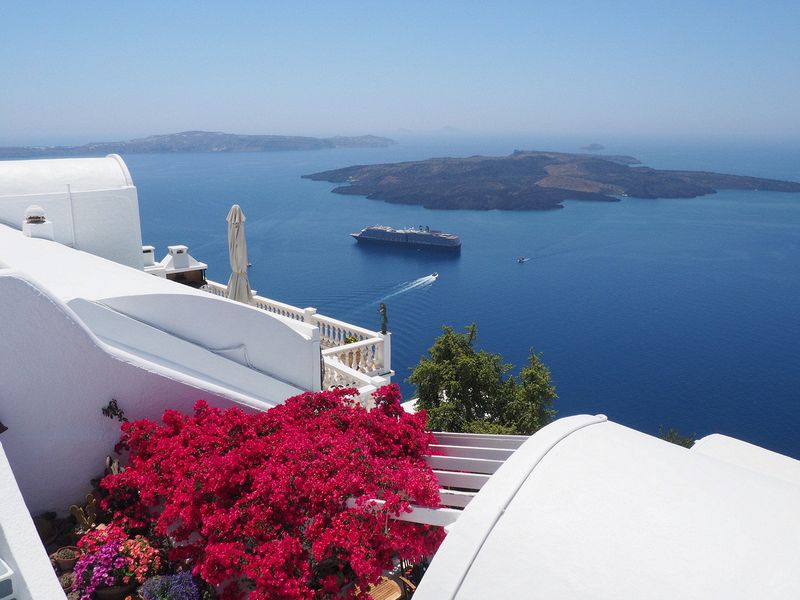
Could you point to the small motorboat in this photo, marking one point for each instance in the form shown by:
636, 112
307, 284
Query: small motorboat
522, 259
434, 275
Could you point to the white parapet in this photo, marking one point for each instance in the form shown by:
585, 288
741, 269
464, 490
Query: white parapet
28, 571
352, 356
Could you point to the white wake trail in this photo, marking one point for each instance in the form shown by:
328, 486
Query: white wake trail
412, 285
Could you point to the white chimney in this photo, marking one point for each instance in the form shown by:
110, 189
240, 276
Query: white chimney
148, 253
182, 267
36, 224
180, 256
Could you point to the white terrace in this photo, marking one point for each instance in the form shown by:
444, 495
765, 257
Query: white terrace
92, 205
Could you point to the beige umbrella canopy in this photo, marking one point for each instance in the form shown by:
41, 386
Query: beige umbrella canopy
238, 284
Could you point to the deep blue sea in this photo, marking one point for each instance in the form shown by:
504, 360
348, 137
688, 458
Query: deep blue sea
658, 313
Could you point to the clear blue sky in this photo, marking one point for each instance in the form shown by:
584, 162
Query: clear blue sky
83, 71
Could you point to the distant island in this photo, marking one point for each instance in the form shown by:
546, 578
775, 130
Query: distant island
593, 147
198, 141
530, 180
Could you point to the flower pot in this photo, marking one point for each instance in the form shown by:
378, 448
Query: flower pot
67, 564
67, 584
115, 592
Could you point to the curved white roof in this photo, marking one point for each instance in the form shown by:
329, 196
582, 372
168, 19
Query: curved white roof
26, 177
588, 508
138, 312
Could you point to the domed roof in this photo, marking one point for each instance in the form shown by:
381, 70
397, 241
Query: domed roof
25, 177
587, 508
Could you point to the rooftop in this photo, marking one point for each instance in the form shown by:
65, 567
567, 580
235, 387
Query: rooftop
589, 508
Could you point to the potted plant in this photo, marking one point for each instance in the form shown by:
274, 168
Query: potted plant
66, 557
113, 564
66, 581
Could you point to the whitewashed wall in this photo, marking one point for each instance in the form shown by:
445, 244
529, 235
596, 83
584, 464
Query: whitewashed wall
20, 548
91, 202
55, 377
280, 347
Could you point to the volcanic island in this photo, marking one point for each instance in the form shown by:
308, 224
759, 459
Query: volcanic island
531, 180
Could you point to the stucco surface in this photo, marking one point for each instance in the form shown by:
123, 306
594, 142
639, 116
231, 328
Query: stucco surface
597, 510
57, 375
91, 202
20, 548
284, 349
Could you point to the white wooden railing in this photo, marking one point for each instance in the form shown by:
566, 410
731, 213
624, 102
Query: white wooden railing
352, 356
462, 463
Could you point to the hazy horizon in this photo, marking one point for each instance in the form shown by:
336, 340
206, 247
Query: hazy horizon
78, 73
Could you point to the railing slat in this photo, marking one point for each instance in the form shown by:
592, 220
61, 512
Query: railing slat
510, 442
471, 465
466, 481
471, 452
418, 514
454, 498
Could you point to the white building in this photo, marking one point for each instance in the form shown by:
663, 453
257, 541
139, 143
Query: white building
87, 317
91, 201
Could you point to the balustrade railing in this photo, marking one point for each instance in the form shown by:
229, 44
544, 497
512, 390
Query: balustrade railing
215, 288
347, 349
279, 308
267, 304
333, 332
365, 356
336, 374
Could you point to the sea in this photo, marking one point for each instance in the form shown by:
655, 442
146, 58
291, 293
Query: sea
657, 313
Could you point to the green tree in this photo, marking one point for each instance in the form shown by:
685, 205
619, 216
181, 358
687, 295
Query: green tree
469, 390
676, 437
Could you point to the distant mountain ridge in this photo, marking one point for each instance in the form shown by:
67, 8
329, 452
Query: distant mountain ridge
198, 141
530, 180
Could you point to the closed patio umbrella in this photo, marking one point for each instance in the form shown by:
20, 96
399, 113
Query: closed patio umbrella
238, 284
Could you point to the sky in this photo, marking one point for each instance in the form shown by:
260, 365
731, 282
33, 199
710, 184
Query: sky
79, 71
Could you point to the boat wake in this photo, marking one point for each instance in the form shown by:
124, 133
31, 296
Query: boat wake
422, 282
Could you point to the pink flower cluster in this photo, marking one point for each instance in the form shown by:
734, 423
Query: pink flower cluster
111, 558
256, 502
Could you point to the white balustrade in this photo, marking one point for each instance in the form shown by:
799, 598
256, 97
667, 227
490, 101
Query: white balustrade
333, 332
364, 356
336, 374
351, 354
215, 288
279, 308
267, 304
339, 375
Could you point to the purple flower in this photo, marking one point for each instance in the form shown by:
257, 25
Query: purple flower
97, 569
170, 587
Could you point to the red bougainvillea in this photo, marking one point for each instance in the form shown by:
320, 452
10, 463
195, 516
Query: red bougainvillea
256, 502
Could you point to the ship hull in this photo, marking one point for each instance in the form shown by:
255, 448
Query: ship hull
406, 243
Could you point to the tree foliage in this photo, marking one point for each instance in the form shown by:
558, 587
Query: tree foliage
469, 390
676, 437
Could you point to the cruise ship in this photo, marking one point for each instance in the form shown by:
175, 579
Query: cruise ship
420, 237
